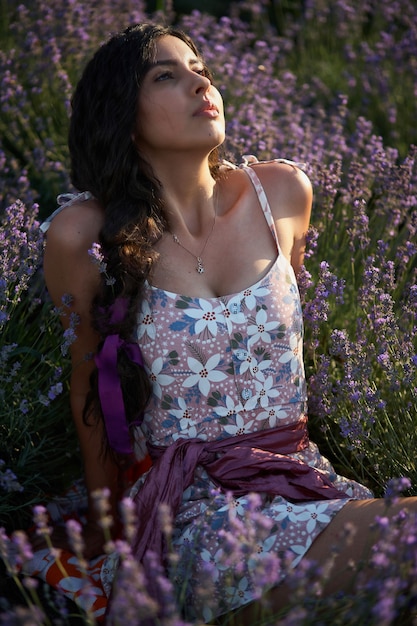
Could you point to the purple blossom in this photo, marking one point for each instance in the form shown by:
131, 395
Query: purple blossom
98, 259
55, 391
8, 479
23, 547
74, 533
395, 487
69, 334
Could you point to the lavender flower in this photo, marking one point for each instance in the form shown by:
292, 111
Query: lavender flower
23, 616
127, 509
131, 603
23, 548
41, 519
74, 532
97, 257
101, 499
8, 480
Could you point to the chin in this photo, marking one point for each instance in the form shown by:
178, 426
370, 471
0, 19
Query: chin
217, 138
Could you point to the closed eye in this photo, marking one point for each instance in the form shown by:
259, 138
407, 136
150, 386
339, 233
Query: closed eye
164, 76
169, 74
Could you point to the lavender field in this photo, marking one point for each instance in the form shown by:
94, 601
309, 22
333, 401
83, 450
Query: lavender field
331, 84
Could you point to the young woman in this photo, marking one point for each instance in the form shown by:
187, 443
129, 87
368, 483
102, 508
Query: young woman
190, 327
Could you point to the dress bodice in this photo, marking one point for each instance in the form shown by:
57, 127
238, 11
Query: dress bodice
226, 365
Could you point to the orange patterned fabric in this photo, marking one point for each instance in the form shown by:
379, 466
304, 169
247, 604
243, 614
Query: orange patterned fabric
66, 574
80, 582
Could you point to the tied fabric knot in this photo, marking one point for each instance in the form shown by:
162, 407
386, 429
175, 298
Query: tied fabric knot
109, 387
257, 462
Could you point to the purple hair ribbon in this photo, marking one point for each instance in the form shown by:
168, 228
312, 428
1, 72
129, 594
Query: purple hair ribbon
109, 387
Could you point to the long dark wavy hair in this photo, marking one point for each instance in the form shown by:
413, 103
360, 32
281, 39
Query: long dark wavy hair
106, 162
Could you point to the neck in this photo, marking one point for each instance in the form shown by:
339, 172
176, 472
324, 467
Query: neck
189, 197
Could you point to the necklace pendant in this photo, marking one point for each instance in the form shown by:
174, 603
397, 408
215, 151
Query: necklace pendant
200, 266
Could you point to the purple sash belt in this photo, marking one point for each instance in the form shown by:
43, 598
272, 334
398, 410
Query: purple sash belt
109, 387
254, 462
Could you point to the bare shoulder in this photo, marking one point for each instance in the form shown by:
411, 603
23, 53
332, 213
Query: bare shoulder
68, 266
76, 224
287, 187
289, 193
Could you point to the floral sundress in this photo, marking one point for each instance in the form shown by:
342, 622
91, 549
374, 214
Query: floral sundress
222, 367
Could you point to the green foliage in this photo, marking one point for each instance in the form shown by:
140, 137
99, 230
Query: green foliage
361, 316
37, 439
38, 450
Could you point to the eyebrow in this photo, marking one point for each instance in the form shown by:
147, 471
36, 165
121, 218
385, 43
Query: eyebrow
172, 62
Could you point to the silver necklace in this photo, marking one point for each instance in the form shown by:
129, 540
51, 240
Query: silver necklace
200, 269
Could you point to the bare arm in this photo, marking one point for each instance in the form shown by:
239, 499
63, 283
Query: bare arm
70, 270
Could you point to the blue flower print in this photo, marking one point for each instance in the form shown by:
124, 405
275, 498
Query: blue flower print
202, 319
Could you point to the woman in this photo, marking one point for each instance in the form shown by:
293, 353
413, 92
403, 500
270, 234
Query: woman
199, 271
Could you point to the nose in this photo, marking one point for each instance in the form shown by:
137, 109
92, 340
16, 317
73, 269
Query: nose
201, 83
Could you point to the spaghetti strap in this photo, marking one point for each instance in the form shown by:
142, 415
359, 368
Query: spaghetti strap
263, 201
250, 159
64, 200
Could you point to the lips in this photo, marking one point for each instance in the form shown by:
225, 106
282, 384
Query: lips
207, 109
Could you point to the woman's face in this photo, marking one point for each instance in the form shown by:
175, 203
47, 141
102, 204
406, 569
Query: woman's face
179, 109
